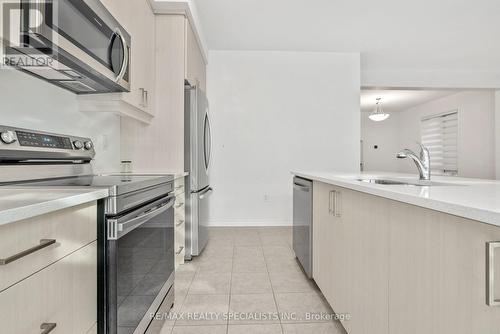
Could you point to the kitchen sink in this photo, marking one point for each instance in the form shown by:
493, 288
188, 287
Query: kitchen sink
403, 183
379, 181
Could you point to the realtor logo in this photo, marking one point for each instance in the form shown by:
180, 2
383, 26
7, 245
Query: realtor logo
22, 43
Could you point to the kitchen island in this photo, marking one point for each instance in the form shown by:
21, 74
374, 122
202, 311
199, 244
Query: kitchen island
402, 256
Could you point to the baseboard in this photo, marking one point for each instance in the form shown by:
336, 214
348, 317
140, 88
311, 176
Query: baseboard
250, 224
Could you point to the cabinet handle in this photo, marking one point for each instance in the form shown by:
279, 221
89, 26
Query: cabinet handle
47, 327
143, 103
338, 204
179, 205
146, 103
43, 243
490, 273
179, 187
180, 223
180, 250
331, 202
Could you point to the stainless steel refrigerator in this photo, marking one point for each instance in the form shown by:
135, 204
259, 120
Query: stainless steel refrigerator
197, 159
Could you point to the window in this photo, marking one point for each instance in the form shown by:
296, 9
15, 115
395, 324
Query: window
439, 134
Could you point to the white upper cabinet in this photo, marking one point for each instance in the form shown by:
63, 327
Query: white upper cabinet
195, 63
137, 17
142, 29
178, 56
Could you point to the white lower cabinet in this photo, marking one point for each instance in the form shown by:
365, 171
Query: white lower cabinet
180, 222
437, 278
93, 330
57, 234
350, 256
62, 295
397, 268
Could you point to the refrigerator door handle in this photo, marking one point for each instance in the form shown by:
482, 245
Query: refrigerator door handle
205, 193
207, 148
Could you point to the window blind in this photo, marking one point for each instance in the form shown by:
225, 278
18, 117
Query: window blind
439, 133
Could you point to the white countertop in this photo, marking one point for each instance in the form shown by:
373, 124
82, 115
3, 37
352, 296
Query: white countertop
475, 199
177, 175
18, 203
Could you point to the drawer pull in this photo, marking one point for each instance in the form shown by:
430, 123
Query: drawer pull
331, 202
180, 250
179, 205
491, 247
43, 243
47, 327
338, 204
180, 223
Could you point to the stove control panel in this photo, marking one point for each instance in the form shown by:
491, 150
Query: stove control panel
18, 144
42, 140
78, 144
8, 137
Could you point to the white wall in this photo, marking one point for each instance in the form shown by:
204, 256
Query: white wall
476, 137
424, 43
384, 135
273, 112
32, 103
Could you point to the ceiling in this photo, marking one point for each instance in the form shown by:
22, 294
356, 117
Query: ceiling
399, 100
390, 34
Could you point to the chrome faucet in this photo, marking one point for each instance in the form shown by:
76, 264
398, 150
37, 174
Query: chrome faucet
423, 162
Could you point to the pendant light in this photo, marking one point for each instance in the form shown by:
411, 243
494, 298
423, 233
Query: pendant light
378, 114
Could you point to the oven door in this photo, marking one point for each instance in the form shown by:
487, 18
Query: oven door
140, 265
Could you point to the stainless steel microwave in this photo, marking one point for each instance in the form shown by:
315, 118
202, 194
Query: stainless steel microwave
75, 44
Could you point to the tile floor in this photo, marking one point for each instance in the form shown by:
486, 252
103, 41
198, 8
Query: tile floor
246, 281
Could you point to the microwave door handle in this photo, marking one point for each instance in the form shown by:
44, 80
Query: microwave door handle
132, 224
125, 56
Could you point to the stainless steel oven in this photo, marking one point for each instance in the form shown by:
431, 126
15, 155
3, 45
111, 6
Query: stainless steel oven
77, 45
140, 251
135, 223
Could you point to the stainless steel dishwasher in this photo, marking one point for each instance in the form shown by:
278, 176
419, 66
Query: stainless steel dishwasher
302, 222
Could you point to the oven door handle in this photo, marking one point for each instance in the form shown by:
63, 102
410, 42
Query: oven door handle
132, 224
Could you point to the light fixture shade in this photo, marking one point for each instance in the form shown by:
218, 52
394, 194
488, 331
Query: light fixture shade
378, 114
376, 117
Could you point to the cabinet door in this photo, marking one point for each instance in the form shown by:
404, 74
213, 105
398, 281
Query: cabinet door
438, 273
64, 294
138, 19
180, 228
195, 64
363, 234
350, 256
53, 227
322, 239
143, 56
121, 13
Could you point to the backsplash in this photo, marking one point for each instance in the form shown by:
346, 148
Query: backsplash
31, 103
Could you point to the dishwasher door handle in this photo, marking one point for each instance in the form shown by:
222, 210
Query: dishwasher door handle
301, 187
